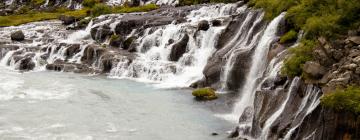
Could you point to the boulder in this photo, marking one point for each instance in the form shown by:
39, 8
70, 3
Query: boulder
17, 36
216, 22
203, 25
26, 64
116, 41
314, 69
128, 43
72, 50
354, 39
204, 94
100, 33
179, 48
67, 20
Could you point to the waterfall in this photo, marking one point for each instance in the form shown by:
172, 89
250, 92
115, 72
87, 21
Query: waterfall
257, 68
294, 85
153, 64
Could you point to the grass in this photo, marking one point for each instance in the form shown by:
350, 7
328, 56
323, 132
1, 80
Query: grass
289, 37
299, 55
98, 9
14, 20
347, 99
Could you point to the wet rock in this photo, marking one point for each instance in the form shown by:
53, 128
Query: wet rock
67, 20
17, 36
26, 64
72, 50
116, 41
216, 22
101, 33
214, 134
179, 48
128, 43
314, 69
203, 25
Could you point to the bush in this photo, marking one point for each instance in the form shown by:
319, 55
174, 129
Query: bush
300, 54
90, 3
204, 94
144, 8
347, 99
100, 9
289, 37
37, 2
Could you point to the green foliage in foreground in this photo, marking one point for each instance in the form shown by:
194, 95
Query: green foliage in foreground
316, 17
299, 55
98, 9
347, 99
204, 94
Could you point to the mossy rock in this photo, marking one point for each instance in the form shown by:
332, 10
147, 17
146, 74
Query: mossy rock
204, 94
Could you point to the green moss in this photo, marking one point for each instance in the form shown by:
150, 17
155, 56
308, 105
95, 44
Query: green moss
204, 94
192, 2
347, 99
100, 9
299, 55
289, 37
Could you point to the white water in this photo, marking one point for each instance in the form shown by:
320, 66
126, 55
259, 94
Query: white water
153, 65
265, 131
258, 66
65, 106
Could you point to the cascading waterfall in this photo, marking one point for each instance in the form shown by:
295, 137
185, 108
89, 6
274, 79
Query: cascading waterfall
257, 68
271, 120
153, 63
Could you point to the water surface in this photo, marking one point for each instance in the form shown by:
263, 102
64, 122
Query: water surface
50, 105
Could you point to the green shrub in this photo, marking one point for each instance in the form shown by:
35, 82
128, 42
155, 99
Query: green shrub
299, 55
347, 99
289, 37
204, 94
100, 9
90, 3
144, 8
37, 2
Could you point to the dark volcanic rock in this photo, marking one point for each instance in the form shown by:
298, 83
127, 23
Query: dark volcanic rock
203, 25
101, 33
26, 64
17, 36
216, 22
116, 41
179, 48
67, 20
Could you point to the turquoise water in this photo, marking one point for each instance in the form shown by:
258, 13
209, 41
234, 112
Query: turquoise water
49, 105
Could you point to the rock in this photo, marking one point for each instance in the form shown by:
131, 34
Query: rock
203, 25
101, 33
179, 48
26, 64
116, 41
351, 67
204, 94
17, 36
314, 69
128, 43
67, 20
216, 22
72, 50
214, 134
353, 39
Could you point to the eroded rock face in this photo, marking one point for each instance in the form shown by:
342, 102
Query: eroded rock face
17, 36
67, 20
101, 33
179, 48
314, 69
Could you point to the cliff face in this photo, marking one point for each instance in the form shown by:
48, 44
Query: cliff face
229, 47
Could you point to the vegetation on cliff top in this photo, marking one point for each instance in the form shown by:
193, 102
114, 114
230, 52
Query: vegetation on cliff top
347, 99
317, 18
98, 9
